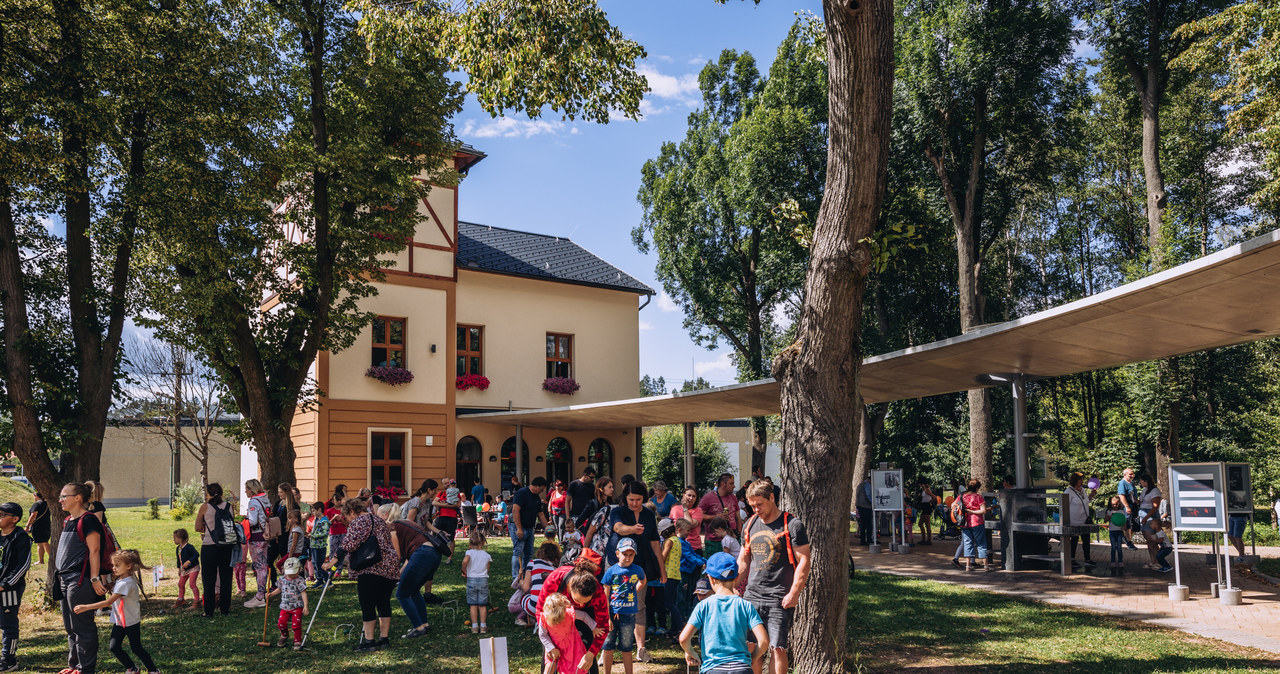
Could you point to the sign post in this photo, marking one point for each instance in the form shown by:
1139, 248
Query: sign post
1199, 503
886, 496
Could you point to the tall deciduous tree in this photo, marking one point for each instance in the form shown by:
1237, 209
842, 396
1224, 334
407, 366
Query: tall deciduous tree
979, 79
711, 202
93, 98
363, 103
818, 373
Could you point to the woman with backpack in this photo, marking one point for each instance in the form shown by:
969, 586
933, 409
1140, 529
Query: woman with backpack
79, 564
596, 516
259, 513
972, 526
212, 519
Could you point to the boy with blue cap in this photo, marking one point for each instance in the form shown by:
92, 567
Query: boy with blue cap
725, 621
624, 582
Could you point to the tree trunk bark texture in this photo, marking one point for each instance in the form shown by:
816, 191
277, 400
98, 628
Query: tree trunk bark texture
819, 372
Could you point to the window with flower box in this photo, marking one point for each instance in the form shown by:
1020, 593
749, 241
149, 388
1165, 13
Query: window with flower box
559, 355
470, 352
388, 342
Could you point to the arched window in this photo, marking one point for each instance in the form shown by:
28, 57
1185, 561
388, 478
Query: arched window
559, 461
509, 464
600, 457
468, 466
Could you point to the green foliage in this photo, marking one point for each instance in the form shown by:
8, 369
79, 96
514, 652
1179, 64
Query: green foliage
650, 386
698, 384
186, 497
720, 206
153, 508
664, 457
1243, 43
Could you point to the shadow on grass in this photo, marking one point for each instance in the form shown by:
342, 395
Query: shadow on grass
897, 622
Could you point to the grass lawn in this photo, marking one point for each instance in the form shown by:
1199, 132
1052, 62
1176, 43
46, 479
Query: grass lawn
901, 623
1269, 566
895, 623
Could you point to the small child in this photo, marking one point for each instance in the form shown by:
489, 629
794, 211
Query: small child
720, 527
572, 547
725, 621
451, 493
624, 583
671, 553
240, 555
297, 536
701, 591
188, 568
292, 589
1116, 520
561, 644
126, 611
475, 568
1154, 533
318, 533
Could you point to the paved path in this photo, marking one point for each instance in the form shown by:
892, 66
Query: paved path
1140, 595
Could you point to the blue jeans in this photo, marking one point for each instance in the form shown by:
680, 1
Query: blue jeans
317, 558
622, 633
420, 568
1163, 556
975, 541
521, 549
1117, 546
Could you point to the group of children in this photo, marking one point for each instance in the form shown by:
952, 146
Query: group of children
733, 638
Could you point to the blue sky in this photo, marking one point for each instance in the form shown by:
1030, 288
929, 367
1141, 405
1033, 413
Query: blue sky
580, 180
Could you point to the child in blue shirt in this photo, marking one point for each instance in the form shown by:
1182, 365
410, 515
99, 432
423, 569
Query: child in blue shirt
725, 620
623, 582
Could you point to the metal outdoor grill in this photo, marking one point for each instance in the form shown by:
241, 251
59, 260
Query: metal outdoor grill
1029, 515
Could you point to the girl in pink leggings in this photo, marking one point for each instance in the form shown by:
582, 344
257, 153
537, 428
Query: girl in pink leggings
188, 567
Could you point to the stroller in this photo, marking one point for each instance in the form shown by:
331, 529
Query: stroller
950, 529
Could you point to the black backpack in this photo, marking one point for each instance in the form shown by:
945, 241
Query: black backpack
225, 531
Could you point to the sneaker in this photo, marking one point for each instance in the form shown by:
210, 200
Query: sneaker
363, 646
1090, 563
180, 603
1132, 546
475, 629
132, 670
255, 603
956, 563
1165, 569
521, 622
484, 629
381, 643
9, 666
660, 632
416, 632
432, 598
282, 641
642, 654
297, 645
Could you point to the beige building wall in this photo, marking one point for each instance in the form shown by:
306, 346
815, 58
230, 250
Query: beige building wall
425, 310
136, 464
517, 314
491, 437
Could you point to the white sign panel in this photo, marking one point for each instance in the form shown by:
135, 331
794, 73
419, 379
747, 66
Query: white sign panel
1199, 498
886, 490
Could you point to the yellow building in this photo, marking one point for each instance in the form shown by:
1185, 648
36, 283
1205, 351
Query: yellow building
465, 299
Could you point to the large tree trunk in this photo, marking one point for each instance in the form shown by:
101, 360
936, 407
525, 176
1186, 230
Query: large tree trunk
870, 423
1168, 447
819, 372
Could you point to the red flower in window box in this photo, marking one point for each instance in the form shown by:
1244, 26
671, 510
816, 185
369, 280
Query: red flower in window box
467, 381
561, 385
389, 493
393, 376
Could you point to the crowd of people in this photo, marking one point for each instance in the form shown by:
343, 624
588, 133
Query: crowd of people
1136, 512
616, 566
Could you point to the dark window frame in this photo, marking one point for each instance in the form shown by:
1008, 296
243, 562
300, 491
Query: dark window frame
466, 353
562, 355
386, 345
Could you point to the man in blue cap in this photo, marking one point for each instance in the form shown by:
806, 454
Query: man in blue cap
15, 559
725, 621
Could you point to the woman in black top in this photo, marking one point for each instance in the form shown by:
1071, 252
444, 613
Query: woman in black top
215, 556
79, 576
38, 526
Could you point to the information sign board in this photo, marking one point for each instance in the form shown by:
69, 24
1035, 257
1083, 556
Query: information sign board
886, 490
1199, 496
1239, 489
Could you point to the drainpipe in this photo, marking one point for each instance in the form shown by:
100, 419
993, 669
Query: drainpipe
647, 299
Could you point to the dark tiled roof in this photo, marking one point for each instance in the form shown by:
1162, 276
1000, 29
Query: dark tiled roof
507, 251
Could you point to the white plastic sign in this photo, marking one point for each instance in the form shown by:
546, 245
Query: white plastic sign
886, 490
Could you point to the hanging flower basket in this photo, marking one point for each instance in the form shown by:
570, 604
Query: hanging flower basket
392, 376
467, 381
561, 385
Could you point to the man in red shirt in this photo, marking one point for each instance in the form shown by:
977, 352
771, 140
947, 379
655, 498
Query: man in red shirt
720, 501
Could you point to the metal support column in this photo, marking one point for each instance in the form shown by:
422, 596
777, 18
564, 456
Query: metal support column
520, 455
688, 455
1021, 463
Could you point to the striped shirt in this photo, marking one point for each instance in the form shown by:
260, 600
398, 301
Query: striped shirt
538, 570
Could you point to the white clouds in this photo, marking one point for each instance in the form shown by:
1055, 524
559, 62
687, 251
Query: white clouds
507, 127
666, 304
645, 325
681, 88
722, 365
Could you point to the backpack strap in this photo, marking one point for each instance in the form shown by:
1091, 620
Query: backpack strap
786, 534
